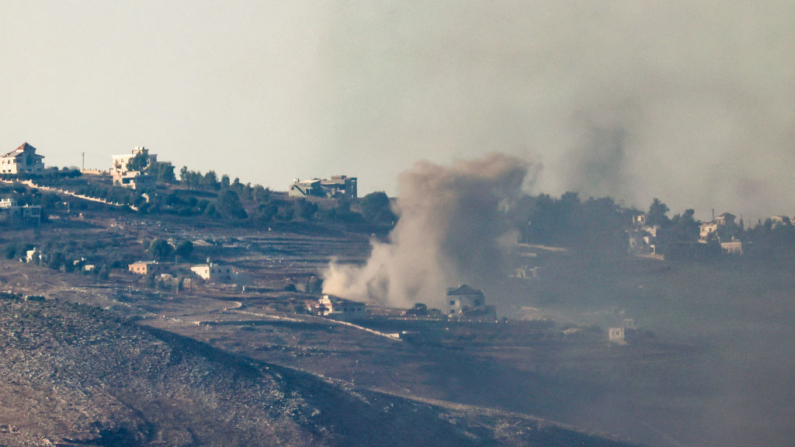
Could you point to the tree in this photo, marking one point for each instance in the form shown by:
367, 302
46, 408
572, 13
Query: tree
377, 208
162, 172
657, 214
11, 250
56, 261
160, 249
210, 181
685, 227
184, 249
260, 194
306, 209
266, 212
139, 162
229, 206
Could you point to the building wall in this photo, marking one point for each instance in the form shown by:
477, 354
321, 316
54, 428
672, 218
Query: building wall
141, 268
212, 272
457, 303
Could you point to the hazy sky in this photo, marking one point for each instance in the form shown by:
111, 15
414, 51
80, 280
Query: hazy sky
691, 101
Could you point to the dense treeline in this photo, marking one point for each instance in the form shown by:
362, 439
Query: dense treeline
569, 221
601, 223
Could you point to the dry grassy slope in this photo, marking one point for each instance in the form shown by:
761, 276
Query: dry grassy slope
75, 375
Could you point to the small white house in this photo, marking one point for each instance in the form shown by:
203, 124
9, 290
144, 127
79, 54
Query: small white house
336, 307
144, 267
616, 335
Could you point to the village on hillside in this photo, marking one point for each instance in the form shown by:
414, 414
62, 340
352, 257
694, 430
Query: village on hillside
243, 269
139, 183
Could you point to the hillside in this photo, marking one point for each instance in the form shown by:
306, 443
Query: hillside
74, 375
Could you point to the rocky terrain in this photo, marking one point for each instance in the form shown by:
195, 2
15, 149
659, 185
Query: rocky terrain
79, 375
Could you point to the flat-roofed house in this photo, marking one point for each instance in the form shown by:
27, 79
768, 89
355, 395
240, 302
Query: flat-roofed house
336, 307
144, 267
338, 186
213, 272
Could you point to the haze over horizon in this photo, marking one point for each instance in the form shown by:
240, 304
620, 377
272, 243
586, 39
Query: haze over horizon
688, 101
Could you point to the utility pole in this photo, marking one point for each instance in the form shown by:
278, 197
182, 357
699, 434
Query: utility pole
84, 162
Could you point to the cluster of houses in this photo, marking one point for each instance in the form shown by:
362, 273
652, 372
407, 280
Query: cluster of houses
462, 303
34, 256
721, 230
25, 160
209, 272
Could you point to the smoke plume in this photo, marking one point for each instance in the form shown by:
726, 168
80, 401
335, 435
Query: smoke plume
450, 231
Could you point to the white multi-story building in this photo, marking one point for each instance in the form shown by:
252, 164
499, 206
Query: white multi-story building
131, 178
465, 303
22, 160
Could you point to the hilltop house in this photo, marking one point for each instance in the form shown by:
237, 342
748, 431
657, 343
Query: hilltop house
213, 272
336, 307
128, 176
338, 186
465, 303
22, 160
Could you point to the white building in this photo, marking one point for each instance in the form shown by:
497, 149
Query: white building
131, 178
336, 307
213, 272
144, 267
732, 247
22, 160
338, 186
464, 302
617, 335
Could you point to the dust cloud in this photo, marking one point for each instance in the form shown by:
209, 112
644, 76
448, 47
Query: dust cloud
451, 230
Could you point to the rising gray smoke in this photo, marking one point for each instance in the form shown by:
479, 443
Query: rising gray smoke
689, 101
450, 231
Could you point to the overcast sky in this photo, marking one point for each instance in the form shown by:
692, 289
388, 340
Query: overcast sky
690, 101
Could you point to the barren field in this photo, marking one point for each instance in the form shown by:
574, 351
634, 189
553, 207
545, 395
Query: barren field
112, 374
519, 375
